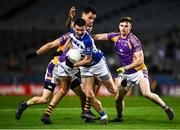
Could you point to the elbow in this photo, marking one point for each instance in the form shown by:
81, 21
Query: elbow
140, 61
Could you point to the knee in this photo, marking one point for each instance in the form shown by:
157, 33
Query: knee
64, 91
113, 89
90, 95
146, 94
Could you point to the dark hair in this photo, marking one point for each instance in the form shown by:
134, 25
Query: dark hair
125, 19
89, 9
80, 22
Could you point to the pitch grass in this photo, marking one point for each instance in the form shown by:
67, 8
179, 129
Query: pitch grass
140, 113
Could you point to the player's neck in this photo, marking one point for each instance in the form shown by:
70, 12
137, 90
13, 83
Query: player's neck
123, 36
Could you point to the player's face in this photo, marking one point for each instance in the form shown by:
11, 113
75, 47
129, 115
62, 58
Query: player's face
89, 18
89, 28
125, 28
79, 31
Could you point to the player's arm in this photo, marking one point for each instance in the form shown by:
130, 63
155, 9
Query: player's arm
67, 45
87, 59
70, 20
48, 47
45, 48
138, 59
103, 37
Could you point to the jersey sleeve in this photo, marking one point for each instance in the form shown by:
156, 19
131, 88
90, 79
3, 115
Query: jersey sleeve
136, 44
63, 38
113, 36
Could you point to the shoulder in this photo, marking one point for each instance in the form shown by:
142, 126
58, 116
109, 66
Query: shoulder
113, 36
87, 39
63, 38
134, 39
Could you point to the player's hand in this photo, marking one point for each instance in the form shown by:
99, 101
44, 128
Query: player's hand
72, 12
121, 70
69, 63
30, 56
58, 53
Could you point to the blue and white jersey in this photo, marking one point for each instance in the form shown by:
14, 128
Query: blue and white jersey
86, 46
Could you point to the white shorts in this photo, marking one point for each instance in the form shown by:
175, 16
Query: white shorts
64, 70
100, 69
135, 77
51, 73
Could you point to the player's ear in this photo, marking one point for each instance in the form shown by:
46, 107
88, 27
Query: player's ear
82, 14
130, 27
119, 27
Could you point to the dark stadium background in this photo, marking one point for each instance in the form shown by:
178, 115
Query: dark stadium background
25, 25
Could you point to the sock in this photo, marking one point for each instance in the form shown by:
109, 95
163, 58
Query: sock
49, 111
87, 105
165, 107
24, 105
103, 115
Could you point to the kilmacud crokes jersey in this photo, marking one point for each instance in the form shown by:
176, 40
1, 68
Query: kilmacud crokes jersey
125, 49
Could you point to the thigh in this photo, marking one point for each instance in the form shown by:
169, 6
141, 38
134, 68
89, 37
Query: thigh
87, 85
144, 85
51, 74
97, 84
65, 82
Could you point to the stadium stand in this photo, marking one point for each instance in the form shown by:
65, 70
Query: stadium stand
26, 25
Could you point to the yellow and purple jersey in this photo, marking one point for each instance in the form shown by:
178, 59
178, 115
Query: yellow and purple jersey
125, 49
62, 41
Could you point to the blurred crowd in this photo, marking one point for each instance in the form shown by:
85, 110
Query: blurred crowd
21, 31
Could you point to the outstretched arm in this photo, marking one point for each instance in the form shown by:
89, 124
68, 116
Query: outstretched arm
103, 37
42, 49
48, 47
45, 48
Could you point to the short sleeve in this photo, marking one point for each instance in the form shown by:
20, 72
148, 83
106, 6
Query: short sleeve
63, 38
113, 36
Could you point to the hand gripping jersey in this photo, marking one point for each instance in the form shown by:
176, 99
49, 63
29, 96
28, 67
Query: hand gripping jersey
125, 49
86, 46
61, 58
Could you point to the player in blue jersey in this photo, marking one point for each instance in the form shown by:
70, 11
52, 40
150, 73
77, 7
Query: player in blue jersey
89, 15
51, 77
131, 58
67, 69
92, 65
